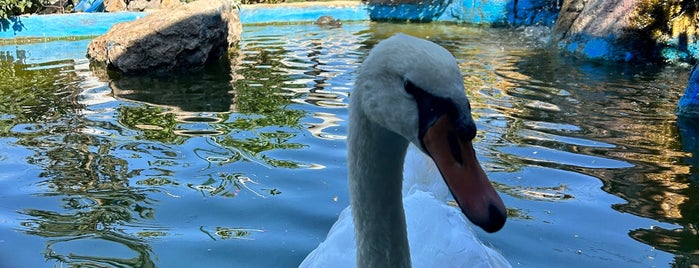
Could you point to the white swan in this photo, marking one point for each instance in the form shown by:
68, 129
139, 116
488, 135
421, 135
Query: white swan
410, 90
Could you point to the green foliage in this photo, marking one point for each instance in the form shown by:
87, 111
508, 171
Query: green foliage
671, 27
9, 8
12, 8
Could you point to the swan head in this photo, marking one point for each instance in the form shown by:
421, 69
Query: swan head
414, 88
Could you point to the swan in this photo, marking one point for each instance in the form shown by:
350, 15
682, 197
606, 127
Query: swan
410, 91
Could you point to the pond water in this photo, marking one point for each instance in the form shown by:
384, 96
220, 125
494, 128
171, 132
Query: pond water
244, 165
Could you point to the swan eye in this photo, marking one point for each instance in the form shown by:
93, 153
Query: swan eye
431, 108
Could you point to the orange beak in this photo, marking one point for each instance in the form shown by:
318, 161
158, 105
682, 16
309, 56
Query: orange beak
454, 155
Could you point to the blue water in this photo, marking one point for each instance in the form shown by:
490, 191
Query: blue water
244, 165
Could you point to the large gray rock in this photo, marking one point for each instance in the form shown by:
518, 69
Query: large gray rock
181, 39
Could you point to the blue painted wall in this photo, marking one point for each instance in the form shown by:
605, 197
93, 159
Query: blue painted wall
511, 12
61, 25
465, 11
285, 13
85, 24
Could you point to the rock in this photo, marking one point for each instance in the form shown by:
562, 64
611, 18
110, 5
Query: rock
688, 119
114, 5
597, 28
533, 12
628, 30
141, 5
170, 4
689, 102
328, 21
182, 39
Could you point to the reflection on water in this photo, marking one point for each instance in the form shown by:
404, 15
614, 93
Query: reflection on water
626, 113
244, 163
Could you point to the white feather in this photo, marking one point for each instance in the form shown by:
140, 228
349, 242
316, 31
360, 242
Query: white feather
439, 234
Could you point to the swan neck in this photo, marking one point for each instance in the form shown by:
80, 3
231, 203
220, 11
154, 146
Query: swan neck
375, 158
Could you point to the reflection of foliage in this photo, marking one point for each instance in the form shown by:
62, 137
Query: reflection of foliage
682, 242
229, 185
672, 16
230, 232
38, 108
262, 93
664, 21
92, 217
555, 193
254, 146
154, 123
516, 213
9, 8
157, 181
143, 258
96, 197
31, 95
262, 98
274, 118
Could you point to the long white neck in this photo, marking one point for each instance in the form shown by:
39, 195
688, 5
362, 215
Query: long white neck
375, 158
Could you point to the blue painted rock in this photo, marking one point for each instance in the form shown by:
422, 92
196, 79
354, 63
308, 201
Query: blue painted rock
628, 30
689, 102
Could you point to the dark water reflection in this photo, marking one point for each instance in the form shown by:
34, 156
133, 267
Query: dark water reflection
631, 107
244, 164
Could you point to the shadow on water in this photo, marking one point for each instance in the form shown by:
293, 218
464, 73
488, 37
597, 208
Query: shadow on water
689, 132
206, 91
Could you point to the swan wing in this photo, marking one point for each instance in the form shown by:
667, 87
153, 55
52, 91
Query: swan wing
338, 249
439, 236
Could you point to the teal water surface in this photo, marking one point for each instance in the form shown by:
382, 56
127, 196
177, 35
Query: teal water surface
244, 165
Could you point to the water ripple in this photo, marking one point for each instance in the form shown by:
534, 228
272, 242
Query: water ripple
544, 154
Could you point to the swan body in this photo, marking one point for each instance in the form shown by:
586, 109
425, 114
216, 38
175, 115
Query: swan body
410, 90
439, 235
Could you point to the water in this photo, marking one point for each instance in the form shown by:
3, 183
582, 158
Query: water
247, 170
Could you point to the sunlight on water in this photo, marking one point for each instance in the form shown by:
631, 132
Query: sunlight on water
244, 164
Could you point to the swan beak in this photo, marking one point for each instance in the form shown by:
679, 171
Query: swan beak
456, 159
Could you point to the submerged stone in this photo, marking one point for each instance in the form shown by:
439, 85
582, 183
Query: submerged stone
328, 21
